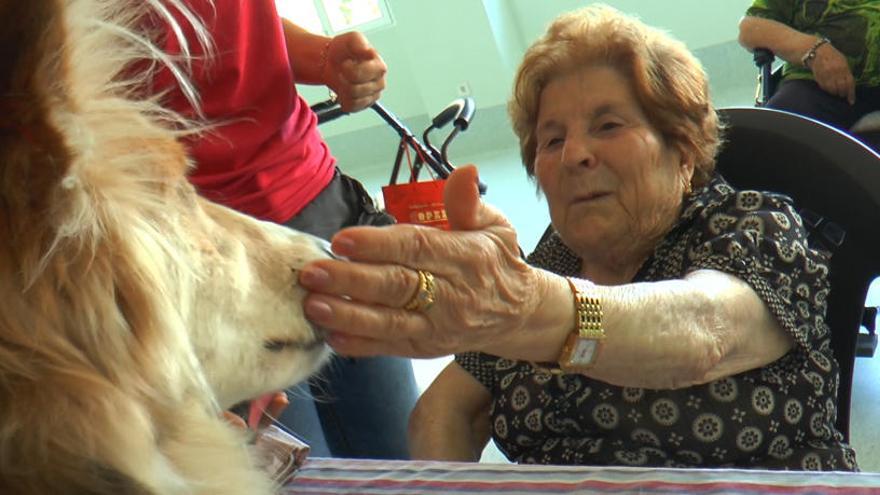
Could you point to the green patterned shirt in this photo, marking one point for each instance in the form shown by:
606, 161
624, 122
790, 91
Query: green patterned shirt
853, 26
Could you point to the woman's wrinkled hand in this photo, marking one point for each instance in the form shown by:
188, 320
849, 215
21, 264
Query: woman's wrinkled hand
354, 71
484, 291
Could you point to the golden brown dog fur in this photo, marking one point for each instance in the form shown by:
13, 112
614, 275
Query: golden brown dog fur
131, 310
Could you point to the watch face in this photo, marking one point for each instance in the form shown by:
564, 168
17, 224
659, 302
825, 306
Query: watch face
583, 351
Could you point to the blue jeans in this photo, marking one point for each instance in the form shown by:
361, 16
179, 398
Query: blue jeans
360, 409
361, 406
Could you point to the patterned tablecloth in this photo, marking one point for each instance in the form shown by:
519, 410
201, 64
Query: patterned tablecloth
365, 477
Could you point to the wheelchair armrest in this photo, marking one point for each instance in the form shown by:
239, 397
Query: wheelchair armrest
866, 345
762, 57
766, 84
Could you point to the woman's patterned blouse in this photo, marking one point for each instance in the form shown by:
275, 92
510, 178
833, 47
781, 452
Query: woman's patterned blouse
780, 416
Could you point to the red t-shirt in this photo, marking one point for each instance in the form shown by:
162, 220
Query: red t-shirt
269, 161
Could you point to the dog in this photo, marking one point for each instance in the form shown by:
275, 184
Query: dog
132, 311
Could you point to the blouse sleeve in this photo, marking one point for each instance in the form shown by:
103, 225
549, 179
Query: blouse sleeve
481, 366
759, 238
776, 10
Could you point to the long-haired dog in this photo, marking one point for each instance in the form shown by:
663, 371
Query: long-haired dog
131, 310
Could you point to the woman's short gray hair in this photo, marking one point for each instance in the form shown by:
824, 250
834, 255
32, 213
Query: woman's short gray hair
669, 82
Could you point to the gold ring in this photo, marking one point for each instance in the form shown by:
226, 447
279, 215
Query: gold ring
423, 299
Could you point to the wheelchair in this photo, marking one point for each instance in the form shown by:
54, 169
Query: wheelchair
866, 129
835, 182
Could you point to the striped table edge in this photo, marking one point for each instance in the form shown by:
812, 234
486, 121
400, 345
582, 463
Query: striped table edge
367, 477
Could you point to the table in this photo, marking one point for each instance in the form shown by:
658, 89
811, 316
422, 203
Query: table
366, 477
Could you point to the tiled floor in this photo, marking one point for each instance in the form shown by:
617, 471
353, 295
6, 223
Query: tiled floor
865, 418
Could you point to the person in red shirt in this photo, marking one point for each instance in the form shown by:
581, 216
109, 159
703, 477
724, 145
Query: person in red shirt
266, 158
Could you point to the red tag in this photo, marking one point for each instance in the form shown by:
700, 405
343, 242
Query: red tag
417, 202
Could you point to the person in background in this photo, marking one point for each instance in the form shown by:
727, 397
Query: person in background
831, 51
265, 157
670, 320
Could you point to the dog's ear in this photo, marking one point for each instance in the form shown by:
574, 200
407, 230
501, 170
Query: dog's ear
33, 157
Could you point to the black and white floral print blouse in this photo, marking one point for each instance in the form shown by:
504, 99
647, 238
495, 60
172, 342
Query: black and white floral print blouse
780, 416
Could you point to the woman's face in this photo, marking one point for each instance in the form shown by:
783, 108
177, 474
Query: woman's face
612, 184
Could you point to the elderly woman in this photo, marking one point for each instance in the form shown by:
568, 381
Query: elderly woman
670, 321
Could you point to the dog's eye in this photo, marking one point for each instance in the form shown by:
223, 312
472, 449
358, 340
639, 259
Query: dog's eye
276, 345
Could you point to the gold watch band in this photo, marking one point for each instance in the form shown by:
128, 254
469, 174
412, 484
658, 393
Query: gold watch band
588, 312
585, 340
583, 345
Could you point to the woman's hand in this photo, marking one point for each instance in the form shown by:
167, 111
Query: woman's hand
354, 71
346, 64
830, 67
832, 73
485, 294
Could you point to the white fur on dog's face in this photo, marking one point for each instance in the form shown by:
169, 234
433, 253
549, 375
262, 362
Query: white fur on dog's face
246, 321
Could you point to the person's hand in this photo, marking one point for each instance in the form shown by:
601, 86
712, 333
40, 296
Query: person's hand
354, 71
833, 74
484, 292
234, 420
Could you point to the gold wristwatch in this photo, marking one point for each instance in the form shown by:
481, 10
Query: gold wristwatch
585, 341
